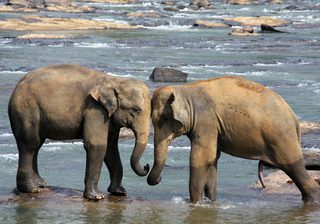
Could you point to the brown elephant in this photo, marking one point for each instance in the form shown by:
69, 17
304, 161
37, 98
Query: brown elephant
72, 102
232, 115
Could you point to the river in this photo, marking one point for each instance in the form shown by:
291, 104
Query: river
288, 63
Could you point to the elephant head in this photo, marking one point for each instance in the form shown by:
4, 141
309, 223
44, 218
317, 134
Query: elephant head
170, 118
128, 105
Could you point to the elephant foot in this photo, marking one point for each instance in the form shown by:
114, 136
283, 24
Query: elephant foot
117, 190
93, 195
209, 194
29, 183
40, 182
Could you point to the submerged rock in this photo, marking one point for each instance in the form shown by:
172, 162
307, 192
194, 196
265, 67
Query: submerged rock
164, 74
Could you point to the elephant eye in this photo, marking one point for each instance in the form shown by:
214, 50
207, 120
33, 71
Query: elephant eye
136, 110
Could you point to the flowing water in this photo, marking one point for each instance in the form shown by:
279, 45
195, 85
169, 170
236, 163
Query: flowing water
288, 63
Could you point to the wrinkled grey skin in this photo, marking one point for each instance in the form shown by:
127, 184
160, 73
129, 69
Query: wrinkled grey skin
232, 115
72, 102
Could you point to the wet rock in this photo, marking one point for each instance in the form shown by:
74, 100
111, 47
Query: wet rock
198, 4
312, 159
269, 29
9, 8
126, 133
249, 2
144, 14
42, 36
109, 1
308, 127
207, 24
171, 9
242, 31
164, 74
279, 183
256, 21
167, 2
43, 23
39, 3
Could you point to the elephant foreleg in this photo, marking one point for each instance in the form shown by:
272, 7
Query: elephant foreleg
95, 143
203, 158
210, 188
114, 164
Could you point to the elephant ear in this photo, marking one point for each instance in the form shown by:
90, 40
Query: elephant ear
179, 108
107, 97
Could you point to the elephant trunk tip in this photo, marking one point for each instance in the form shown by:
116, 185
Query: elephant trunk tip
139, 170
153, 181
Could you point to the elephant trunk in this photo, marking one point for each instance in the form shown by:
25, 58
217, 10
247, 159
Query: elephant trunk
160, 155
139, 147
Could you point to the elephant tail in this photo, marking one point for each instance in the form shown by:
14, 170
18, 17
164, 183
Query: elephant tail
260, 173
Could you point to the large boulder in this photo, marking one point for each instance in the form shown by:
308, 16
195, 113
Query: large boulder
197, 4
165, 74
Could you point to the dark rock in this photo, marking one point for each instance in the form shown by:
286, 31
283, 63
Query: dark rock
197, 4
269, 29
163, 74
170, 9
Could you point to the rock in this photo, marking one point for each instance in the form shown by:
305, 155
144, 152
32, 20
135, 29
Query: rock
242, 2
39, 3
197, 4
257, 21
307, 127
312, 159
167, 2
33, 22
8, 8
42, 36
71, 9
206, 24
164, 74
269, 29
171, 9
20, 3
242, 31
126, 133
109, 1
279, 183
143, 14
249, 2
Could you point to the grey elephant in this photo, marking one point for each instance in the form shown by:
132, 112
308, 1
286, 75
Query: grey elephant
231, 115
72, 102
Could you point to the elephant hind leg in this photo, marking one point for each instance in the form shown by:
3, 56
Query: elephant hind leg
308, 187
28, 178
210, 188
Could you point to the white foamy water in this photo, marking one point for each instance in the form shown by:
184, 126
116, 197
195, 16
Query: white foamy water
92, 45
178, 201
9, 157
12, 72
6, 135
